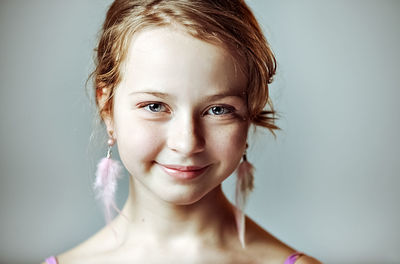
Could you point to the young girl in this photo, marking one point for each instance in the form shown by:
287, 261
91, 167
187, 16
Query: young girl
178, 83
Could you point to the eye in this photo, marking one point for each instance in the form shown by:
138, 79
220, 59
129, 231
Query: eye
155, 107
220, 110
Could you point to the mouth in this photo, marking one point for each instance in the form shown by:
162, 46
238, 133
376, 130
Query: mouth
183, 172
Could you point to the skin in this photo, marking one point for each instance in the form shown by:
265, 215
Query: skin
181, 102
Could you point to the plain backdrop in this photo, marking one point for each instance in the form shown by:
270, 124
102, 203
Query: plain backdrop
327, 185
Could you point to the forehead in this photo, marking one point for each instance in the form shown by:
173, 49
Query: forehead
169, 57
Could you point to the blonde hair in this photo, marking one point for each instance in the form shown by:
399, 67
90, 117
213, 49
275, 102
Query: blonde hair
227, 22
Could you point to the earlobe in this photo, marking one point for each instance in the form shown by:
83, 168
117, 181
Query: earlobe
109, 125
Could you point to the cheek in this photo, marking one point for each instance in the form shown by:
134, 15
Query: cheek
138, 144
228, 145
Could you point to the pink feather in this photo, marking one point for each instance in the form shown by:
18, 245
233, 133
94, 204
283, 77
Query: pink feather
244, 186
105, 185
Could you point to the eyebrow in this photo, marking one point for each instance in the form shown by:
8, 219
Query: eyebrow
208, 98
157, 94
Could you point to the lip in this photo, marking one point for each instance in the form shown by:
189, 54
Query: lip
183, 172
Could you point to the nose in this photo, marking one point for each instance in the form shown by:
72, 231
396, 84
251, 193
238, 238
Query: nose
185, 136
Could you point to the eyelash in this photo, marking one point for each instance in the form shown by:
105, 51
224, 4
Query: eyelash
227, 110
148, 105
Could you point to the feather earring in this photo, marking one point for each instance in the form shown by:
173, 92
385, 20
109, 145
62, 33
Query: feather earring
105, 185
244, 185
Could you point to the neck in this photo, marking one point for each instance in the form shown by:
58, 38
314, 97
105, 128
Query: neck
209, 221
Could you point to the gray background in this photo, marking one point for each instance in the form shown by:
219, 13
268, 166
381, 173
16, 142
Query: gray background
328, 185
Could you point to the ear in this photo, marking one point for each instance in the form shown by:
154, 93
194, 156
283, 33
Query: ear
108, 121
103, 97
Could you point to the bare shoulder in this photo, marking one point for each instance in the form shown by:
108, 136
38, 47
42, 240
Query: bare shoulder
263, 246
83, 252
269, 249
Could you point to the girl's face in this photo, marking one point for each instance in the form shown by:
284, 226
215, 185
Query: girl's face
180, 115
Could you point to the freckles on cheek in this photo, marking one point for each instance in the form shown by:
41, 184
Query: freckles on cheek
150, 142
231, 140
139, 142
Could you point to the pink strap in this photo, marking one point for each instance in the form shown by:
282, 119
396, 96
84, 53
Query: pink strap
51, 260
292, 258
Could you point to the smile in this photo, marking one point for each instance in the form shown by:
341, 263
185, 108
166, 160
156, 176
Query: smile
183, 172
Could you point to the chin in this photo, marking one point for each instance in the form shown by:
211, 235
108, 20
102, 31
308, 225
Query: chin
182, 197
